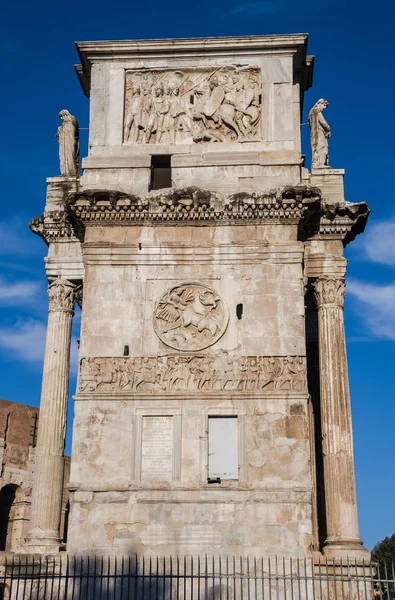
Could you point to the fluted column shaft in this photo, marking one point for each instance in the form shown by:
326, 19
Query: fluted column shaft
338, 455
47, 492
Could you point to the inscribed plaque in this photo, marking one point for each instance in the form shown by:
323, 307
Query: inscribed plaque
157, 448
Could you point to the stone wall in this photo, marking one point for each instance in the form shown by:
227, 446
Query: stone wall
18, 437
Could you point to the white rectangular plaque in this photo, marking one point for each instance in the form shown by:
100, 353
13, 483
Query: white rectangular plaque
157, 448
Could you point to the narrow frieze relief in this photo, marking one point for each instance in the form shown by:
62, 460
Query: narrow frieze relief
330, 291
190, 316
220, 372
193, 105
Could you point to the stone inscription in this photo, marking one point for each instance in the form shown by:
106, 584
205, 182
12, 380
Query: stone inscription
157, 448
190, 317
221, 372
192, 105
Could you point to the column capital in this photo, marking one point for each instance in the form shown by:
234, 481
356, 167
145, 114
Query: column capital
330, 290
62, 295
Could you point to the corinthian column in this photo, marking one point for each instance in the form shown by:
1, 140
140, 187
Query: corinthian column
337, 445
44, 534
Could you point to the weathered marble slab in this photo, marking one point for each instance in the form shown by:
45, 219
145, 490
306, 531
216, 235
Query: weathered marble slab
157, 448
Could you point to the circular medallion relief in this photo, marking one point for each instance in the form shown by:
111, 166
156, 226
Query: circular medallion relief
190, 316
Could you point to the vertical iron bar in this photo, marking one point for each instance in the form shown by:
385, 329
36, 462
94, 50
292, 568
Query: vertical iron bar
136, 577
157, 579
192, 581
143, 589
234, 578
227, 577
31, 582
248, 579
171, 578
241, 578
213, 568
178, 578
150, 578
206, 578
185, 577
284, 579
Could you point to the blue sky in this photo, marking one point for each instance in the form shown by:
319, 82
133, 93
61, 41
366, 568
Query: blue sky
354, 70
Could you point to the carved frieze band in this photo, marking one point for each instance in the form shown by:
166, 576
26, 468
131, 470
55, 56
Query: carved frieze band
192, 105
330, 291
222, 372
62, 295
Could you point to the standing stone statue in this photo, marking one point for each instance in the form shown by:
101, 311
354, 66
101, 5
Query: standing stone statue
319, 134
69, 147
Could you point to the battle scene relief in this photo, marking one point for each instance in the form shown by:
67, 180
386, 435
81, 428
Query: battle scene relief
192, 105
190, 317
219, 372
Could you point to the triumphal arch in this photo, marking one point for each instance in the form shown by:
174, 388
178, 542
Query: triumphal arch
212, 413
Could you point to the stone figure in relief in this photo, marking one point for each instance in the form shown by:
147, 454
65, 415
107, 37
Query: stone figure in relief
133, 120
158, 109
221, 371
69, 147
193, 105
190, 317
319, 134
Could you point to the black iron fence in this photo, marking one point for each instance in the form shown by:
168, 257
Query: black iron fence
192, 578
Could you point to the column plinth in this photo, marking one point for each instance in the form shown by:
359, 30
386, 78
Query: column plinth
337, 444
44, 534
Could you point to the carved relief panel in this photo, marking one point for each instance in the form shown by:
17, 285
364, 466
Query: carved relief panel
190, 316
192, 105
219, 372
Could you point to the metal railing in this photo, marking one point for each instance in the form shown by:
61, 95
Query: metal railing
192, 578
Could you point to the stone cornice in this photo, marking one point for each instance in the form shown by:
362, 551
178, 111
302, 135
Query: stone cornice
298, 205
182, 48
53, 226
342, 220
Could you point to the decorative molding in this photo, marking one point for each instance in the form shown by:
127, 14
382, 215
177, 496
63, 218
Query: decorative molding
167, 106
291, 204
62, 295
330, 291
53, 226
190, 316
219, 372
342, 220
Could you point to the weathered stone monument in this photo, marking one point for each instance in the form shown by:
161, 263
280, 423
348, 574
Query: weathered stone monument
212, 413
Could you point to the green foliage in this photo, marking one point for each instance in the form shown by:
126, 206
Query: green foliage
384, 554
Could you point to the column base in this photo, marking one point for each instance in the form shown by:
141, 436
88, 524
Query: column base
41, 542
343, 549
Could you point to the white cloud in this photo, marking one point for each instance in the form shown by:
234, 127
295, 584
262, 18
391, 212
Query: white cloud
378, 242
18, 291
375, 305
25, 341
16, 238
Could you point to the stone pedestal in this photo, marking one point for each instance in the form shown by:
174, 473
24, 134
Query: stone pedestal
44, 535
338, 459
